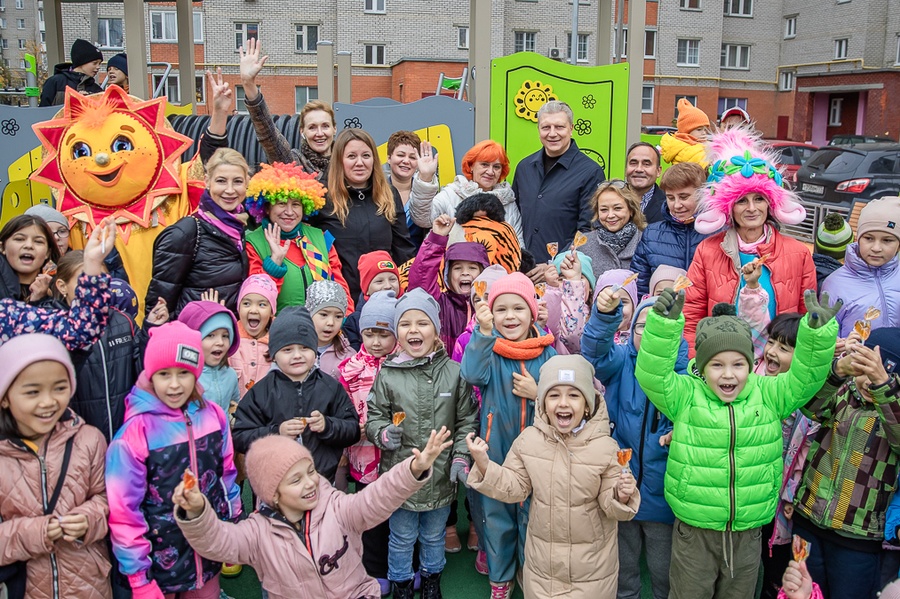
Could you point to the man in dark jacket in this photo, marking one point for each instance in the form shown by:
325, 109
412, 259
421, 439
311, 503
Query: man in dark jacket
78, 74
554, 187
642, 169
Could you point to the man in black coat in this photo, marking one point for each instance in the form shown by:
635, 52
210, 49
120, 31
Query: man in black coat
642, 169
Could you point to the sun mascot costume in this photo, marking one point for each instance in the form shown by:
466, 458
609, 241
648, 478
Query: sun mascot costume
115, 155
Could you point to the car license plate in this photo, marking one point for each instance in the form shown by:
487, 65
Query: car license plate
817, 189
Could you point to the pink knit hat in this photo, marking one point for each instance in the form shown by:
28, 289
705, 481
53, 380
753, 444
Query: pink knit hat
742, 164
517, 284
263, 285
174, 345
268, 460
22, 351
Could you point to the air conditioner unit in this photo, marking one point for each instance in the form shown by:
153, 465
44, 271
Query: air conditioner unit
555, 53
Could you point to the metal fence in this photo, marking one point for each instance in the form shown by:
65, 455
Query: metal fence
815, 214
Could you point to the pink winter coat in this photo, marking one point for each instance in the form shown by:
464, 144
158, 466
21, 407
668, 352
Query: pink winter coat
330, 359
249, 360
331, 568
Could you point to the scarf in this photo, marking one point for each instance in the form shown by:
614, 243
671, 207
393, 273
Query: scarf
318, 161
527, 349
226, 222
753, 247
618, 240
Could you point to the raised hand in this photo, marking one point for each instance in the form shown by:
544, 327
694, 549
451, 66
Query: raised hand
669, 304
278, 249
437, 442
626, 486
159, 314
485, 319
543, 314
428, 163
211, 295
190, 500
570, 268
40, 288
222, 101
478, 449
820, 310
442, 225
608, 300
98, 246
251, 64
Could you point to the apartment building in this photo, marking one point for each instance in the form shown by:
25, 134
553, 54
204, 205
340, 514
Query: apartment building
21, 32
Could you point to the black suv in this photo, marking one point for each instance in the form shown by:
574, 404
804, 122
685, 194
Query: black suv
841, 174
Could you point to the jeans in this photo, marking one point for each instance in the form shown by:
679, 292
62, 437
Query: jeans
654, 539
429, 528
841, 573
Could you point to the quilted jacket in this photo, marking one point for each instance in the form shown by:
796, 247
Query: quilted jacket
664, 242
58, 570
725, 460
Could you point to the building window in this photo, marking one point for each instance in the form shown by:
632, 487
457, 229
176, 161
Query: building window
739, 8
170, 89
375, 6
306, 37
790, 27
689, 4
4, 43
622, 43
3, 4
244, 32
691, 99
20, 4
109, 33
526, 41
374, 54
834, 112
650, 43
840, 48
304, 94
2, 23
462, 38
647, 93
21, 44
786, 81
240, 100
581, 51
726, 103
164, 27
735, 56
20, 23
688, 53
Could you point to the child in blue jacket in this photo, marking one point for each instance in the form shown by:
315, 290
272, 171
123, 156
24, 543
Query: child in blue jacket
637, 424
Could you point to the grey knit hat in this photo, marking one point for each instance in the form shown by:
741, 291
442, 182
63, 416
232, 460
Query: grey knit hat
292, 325
378, 312
50, 215
325, 294
418, 299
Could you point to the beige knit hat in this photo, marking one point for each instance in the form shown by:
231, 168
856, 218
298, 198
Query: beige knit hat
881, 215
568, 370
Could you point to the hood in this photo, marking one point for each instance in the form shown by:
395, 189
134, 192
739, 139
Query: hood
596, 426
470, 251
62, 67
855, 264
646, 304
194, 314
142, 400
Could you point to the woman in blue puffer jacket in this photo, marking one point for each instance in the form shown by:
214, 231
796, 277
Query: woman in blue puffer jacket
672, 240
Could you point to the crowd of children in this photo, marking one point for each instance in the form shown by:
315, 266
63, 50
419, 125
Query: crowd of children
589, 440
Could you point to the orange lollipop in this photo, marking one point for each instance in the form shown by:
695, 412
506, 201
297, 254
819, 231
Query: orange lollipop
540, 289
480, 288
49, 268
189, 480
872, 314
580, 240
553, 249
398, 418
863, 329
801, 548
624, 456
682, 283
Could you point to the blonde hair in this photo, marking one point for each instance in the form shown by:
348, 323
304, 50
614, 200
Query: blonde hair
226, 157
631, 199
312, 106
337, 184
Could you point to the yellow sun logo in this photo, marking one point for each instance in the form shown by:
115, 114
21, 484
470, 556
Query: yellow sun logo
111, 155
530, 97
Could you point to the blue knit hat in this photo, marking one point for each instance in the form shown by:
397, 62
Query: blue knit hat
378, 312
418, 299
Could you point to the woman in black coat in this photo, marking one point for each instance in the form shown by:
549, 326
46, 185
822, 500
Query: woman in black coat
206, 249
362, 210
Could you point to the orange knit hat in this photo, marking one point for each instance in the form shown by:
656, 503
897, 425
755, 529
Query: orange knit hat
690, 117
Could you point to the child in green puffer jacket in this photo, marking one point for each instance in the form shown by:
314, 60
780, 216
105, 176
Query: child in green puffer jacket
724, 466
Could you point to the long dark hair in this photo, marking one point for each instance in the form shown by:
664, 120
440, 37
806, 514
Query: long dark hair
24, 221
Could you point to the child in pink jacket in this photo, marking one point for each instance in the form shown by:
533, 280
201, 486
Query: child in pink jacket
305, 540
570, 282
257, 304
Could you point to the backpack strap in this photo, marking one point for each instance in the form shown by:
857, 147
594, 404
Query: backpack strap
51, 505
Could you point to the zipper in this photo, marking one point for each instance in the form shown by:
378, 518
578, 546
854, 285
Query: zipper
490, 421
640, 476
192, 453
106, 387
731, 475
54, 567
524, 401
884, 307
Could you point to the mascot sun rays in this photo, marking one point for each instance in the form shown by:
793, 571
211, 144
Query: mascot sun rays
111, 155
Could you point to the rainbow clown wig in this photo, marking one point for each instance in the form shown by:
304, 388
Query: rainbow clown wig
280, 182
743, 164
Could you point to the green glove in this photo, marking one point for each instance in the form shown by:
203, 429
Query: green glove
820, 311
670, 304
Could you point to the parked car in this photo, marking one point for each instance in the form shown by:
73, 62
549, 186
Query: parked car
658, 129
850, 140
791, 155
841, 174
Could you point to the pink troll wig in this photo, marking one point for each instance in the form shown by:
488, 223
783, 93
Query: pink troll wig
742, 164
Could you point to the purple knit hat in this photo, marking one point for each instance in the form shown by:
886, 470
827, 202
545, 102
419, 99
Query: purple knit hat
617, 277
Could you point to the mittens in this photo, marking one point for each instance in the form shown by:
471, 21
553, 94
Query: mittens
669, 304
459, 471
820, 312
391, 436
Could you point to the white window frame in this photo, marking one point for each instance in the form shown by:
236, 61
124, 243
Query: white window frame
654, 35
529, 41
462, 37
378, 7
375, 54
2, 3
623, 45
21, 44
302, 37
689, 98
581, 50
735, 57
787, 81
3, 23
644, 98
168, 21
790, 27
686, 5
897, 57
20, 23
739, 8
20, 4
835, 108
4, 43
172, 84
309, 91
241, 31
687, 53
240, 100
841, 48
103, 24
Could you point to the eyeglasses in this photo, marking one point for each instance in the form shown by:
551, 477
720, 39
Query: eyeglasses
614, 183
61, 233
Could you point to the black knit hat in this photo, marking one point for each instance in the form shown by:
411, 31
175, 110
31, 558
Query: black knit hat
119, 61
84, 52
292, 325
723, 331
888, 340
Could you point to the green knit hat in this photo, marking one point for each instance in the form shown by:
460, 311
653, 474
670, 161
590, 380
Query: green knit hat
833, 236
723, 331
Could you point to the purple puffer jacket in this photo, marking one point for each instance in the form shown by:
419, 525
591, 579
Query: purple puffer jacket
861, 286
456, 308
